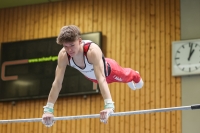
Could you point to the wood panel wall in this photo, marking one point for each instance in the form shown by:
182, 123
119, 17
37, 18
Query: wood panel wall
137, 34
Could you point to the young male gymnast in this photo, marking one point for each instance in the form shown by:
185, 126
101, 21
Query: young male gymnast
87, 57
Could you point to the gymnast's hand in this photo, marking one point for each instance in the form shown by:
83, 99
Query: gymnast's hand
104, 115
48, 119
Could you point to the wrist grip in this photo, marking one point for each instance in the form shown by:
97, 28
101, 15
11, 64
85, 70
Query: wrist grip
109, 104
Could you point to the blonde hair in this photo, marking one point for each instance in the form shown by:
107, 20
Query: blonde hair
68, 34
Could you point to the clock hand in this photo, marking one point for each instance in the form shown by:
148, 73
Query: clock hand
191, 52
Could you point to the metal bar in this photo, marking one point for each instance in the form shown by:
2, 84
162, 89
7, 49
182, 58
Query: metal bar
193, 107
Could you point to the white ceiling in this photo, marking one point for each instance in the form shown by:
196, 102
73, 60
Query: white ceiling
13, 3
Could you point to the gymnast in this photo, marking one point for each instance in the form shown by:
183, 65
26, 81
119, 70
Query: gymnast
87, 57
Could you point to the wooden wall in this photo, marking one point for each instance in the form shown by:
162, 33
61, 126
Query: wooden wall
137, 34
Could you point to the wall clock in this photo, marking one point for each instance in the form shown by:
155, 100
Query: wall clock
186, 57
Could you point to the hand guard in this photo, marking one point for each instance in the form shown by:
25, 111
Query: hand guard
48, 117
108, 109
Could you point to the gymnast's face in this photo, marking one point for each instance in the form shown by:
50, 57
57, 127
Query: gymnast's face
72, 48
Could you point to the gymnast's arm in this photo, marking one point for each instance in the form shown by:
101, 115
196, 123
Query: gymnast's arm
57, 84
94, 55
59, 75
47, 117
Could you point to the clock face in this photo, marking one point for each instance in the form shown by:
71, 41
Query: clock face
187, 57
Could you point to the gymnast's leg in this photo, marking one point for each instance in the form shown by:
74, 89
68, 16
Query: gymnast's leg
125, 75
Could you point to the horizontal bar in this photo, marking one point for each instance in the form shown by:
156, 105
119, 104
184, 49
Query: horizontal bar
193, 107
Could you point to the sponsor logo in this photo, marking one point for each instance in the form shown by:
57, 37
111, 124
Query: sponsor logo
88, 71
117, 78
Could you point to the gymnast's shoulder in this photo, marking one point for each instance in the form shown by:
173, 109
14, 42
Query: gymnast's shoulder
62, 57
